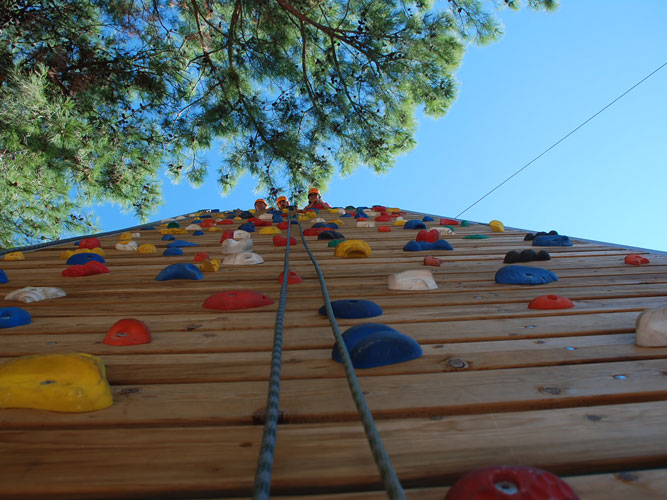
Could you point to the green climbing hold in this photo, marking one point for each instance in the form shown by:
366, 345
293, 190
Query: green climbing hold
334, 243
465, 223
475, 237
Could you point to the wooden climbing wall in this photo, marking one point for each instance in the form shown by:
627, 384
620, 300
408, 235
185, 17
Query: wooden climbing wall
498, 383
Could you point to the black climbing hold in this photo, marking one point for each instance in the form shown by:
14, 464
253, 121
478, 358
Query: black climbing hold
511, 257
527, 256
330, 235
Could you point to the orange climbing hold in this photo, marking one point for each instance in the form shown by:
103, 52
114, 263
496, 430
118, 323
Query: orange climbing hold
429, 260
202, 256
550, 302
128, 331
636, 260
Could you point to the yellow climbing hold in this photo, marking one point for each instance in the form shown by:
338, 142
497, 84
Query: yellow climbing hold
173, 230
269, 230
332, 210
124, 237
55, 382
400, 222
147, 248
352, 249
337, 221
214, 229
302, 218
66, 254
97, 250
497, 226
393, 210
311, 215
237, 219
210, 265
14, 256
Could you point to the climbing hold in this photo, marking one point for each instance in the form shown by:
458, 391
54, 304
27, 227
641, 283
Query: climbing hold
179, 272
510, 482
225, 222
353, 308
89, 243
130, 246
429, 236
90, 268
334, 243
313, 231
173, 224
227, 235
210, 265
524, 275
292, 278
230, 246
214, 229
550, 302
126, 236
476, 237
128, 331
636, 260
240, 234
3, 277
66, 254
14, 256
147, 228
282, 225
497, 226
248, 227
319, 220
246, 214
383, 218
384, 229
427, 218
237, 299
207, 223
147, 248
269, 230
373, 344
330, 235
414, 224
242, 259
418, 246
511, 257
449, 222
429, 260
335, 224
173, 252
201, 256
551, 241
199, 232
168, 237
527, 256
353, 249
173, 231
651, 327
543, 255
35, 294
365, 223
82, 258
281, 241
55, 382
97, 251
444, 230
421, 279
346, 215
465, 223
13, 316
182, 243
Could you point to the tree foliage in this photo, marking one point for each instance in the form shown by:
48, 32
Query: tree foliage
96, 97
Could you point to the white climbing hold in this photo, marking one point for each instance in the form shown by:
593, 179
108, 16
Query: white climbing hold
180, 217
230, 246
193, 227
412, 280
130, 246
365, 223
265, 217
242, 259
240, 234
136, 235
651, 327
444, 230
341, 211
35, 294
371, 213
318, 219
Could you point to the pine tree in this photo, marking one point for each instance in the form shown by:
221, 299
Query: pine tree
97, 96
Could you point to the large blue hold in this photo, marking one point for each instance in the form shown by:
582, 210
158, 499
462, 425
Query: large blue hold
277, 218
180, 272
248, 226
14, 316
374, 344
353, 308
198, 232
168, 237
414, 224
172, 252
3, 277
182, 243
428, 218
418, 246
246, 215
524, 275
81, 258
346, 215
552, 240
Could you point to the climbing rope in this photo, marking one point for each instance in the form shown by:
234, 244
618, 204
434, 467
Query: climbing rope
389, 478
262, 486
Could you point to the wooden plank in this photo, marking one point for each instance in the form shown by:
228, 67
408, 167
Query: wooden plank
321, 458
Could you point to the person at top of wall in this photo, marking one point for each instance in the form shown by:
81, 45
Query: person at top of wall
315, 200
282, 203
261, 206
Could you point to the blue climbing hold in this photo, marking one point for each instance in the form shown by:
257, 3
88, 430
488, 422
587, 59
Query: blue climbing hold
246, 215
351, 308
524, 275
330, 235
147, 228
428, 218
248, 226
414, 224
182, 243
172, 252
319, 224
374, 344
205, 216
14, 316
332, 225
346, 215
82, 258
3, 277
552, 240
199, 232
277, 218
413, 246
418, 246
168, 237
180, 272
215, 210
196, 221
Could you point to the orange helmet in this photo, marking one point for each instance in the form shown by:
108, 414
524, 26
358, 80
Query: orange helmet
313, 191
262, 200
282, 198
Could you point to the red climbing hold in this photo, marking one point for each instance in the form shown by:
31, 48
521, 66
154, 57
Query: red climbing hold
281, 241
202, 256
383, 218
314, 231
128, 331
636, 260
292, 278
237, 299
448, 222
429, 260
379, 208
227, 235
207, 223
384, 229
430, 236
88, 269
550, 302
225, 222
282, 225
515, 482
90, 243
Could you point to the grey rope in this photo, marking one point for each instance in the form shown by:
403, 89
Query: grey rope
389, 478
262, 486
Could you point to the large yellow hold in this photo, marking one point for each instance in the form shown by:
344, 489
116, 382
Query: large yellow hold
352, 249
56, 382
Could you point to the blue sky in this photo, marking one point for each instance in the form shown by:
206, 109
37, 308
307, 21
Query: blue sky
518, 96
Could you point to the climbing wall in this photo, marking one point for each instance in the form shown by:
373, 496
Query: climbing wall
492, 381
